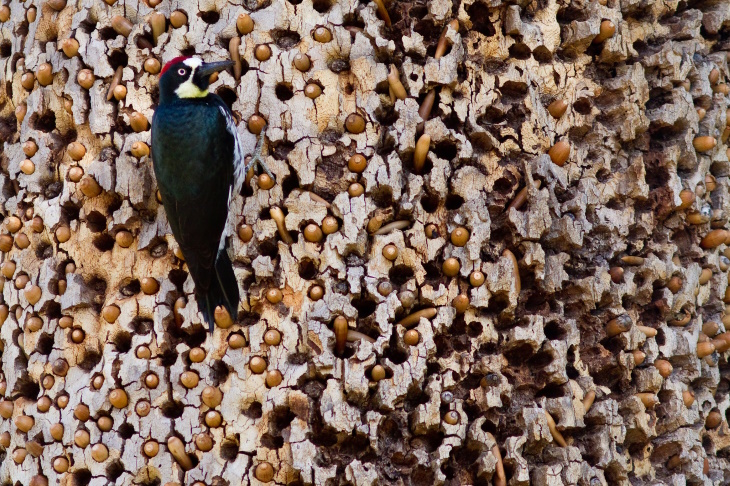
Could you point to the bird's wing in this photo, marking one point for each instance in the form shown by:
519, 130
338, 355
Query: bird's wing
238, 159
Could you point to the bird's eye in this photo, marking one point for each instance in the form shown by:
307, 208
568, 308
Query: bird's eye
181, 72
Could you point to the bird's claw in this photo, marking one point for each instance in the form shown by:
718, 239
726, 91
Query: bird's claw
257, 157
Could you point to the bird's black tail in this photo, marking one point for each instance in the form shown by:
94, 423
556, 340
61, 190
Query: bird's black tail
223, 291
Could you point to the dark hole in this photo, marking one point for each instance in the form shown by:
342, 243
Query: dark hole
289, 183
219, 371
229, 450
281, 149
307, 269
168, 356
254, 411
27, 388
96, 222
114, 470
540, 360
91, 358
126, 431
338, 66
445, 150
493, 115
172, 409
283, 91
554, 332
52, 310
322, 6
53, 189
582, 106
474, 329
45, 122
519, 354
6, 48
503, 186
81, 477
286, 39
210, 17
519, 51
364, 306
269, 248
271, 441
103, 242
227, 94
177, 277
117, 58
542, 54
515, 90
107, 33
400, 274
44, 345
122, 341
430, 202
297, 358
479, 16
142, 326
44, 250
131, 288
454, 202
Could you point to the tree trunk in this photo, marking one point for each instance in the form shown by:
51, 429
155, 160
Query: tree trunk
494, 253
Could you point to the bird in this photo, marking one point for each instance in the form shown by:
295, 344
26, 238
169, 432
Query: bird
199, 165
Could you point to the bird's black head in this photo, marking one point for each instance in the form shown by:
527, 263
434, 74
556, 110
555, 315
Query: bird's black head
187, 77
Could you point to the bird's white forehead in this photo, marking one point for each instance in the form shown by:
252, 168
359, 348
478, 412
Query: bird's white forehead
193, 62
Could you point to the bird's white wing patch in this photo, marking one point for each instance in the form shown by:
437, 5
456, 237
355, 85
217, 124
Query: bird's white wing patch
238, 169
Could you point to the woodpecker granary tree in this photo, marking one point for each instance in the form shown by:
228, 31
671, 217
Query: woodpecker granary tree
492, 247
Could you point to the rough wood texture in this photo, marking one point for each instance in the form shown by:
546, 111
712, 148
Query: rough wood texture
555, 238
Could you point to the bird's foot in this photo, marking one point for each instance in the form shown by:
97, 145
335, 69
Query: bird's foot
257, 157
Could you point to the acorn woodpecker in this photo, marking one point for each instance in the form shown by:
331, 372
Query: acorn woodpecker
199, 165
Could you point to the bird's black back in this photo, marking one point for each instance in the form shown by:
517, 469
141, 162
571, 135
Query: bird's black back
192, 153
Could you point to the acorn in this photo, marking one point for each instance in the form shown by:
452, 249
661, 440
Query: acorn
705, 349
110, 313
20, 112
75, 173
340, 328
178, 19
618, 325
477, 278
411, 337
559, 153
617, 274
274, 295
222, 318
142, 408
4, 13
701, 113
44, 74
30, 148
204, 442
312, 91
451, 267
13, 224
256, 124
257, 364
273, 378
355, 123
664, 367
157, 25
607, 30
316, 292
330, 225
118, 398
122, 25
460, 303
119, 92
357, 163
377, 373
264, 472
714, 238
189, 379
19, 455
245, 233
421, 152
151, 380
27, 80
149, 285
124, 238
244, 24
262, 52
414, 318
60, 464
390, 252
211, 396
322, 34
152, 65
27, 167
714, 76
177, 449
22, 241
85, 78
272, 337
557, 108
24, 423
688, 398
713, 419
705, 276
355, 190
151, 448
650, 400
313, 233
395, 84
76, 151
675, 284
138, 122
704, 143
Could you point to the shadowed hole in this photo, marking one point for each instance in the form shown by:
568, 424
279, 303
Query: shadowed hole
44, 345
103, 242
400, 274
172, 409
114, 470
126, 431
210, 17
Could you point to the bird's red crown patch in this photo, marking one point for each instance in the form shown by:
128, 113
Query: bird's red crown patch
172, 63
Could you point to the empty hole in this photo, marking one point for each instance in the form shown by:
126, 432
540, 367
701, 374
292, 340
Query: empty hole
117, 58
91, 358
582, 106
104, 242
96, 222
6, 48
168, 356
44, 345
131, 288
81, 477
114, 470
122, 341
142, 326
286, 39
45, 122
227, 94
400, 274
542, 54
210, 17
520, 51
454, 201
254, 411
322, 6
229, 450
219, 371
307, 269
126, 431
284, 91
430, 202
479, 16
364, 306
172, 409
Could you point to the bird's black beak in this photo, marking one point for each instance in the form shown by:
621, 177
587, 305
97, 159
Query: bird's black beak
203, 74
208, 68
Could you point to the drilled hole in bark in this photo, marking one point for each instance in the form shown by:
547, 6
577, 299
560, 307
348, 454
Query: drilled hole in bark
44, 345
520, 51
6, 48
142, 326
45, 122
307, 269
430, 202
227, 94
81, 477
542, 54
117, 58
400, 274
286, 39
25, 387
96, 222
254, 411
103, 242
130, 288
122, 341
210, 17
91, 358
479, 16
172, 409
115, 469
365, 306
126, 430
